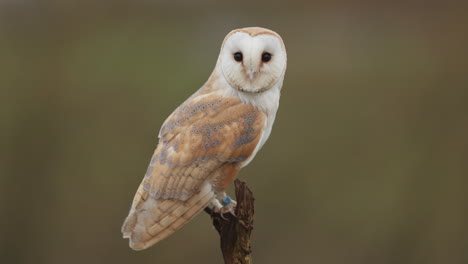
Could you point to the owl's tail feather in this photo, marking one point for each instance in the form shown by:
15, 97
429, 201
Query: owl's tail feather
151, 220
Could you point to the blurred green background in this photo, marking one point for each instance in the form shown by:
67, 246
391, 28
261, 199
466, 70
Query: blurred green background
367, 162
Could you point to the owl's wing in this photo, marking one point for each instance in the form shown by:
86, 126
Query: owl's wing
200, 149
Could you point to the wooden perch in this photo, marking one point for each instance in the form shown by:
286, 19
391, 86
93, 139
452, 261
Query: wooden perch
234, 231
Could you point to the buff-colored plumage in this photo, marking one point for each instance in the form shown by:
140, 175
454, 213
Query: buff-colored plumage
206, 141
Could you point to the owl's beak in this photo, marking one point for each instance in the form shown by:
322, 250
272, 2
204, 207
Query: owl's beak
252, 68
252, 74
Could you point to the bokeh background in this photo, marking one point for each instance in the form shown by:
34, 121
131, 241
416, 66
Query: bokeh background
367, 162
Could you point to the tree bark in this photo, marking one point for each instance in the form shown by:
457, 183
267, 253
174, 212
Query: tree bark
234, 231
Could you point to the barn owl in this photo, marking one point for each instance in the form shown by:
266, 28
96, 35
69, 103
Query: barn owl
206, 141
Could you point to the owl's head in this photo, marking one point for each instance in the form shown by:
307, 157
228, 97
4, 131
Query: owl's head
252, 59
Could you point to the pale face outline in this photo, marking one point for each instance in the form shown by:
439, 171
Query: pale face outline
252, 74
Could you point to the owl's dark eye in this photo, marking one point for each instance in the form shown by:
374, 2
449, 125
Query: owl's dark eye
238, 56
266, 57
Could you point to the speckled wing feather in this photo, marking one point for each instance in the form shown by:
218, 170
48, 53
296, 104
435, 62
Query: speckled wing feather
201, 147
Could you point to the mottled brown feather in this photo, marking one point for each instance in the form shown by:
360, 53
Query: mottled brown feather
201, 136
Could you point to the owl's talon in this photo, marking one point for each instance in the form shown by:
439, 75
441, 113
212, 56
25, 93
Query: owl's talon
222, 216
224, 211
233, 212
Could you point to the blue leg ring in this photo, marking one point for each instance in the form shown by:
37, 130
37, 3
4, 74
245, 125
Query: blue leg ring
227, 201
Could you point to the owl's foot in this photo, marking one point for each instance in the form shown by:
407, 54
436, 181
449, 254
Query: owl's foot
229, 205
226, 206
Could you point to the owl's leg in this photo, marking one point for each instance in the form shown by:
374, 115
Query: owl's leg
216, 205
